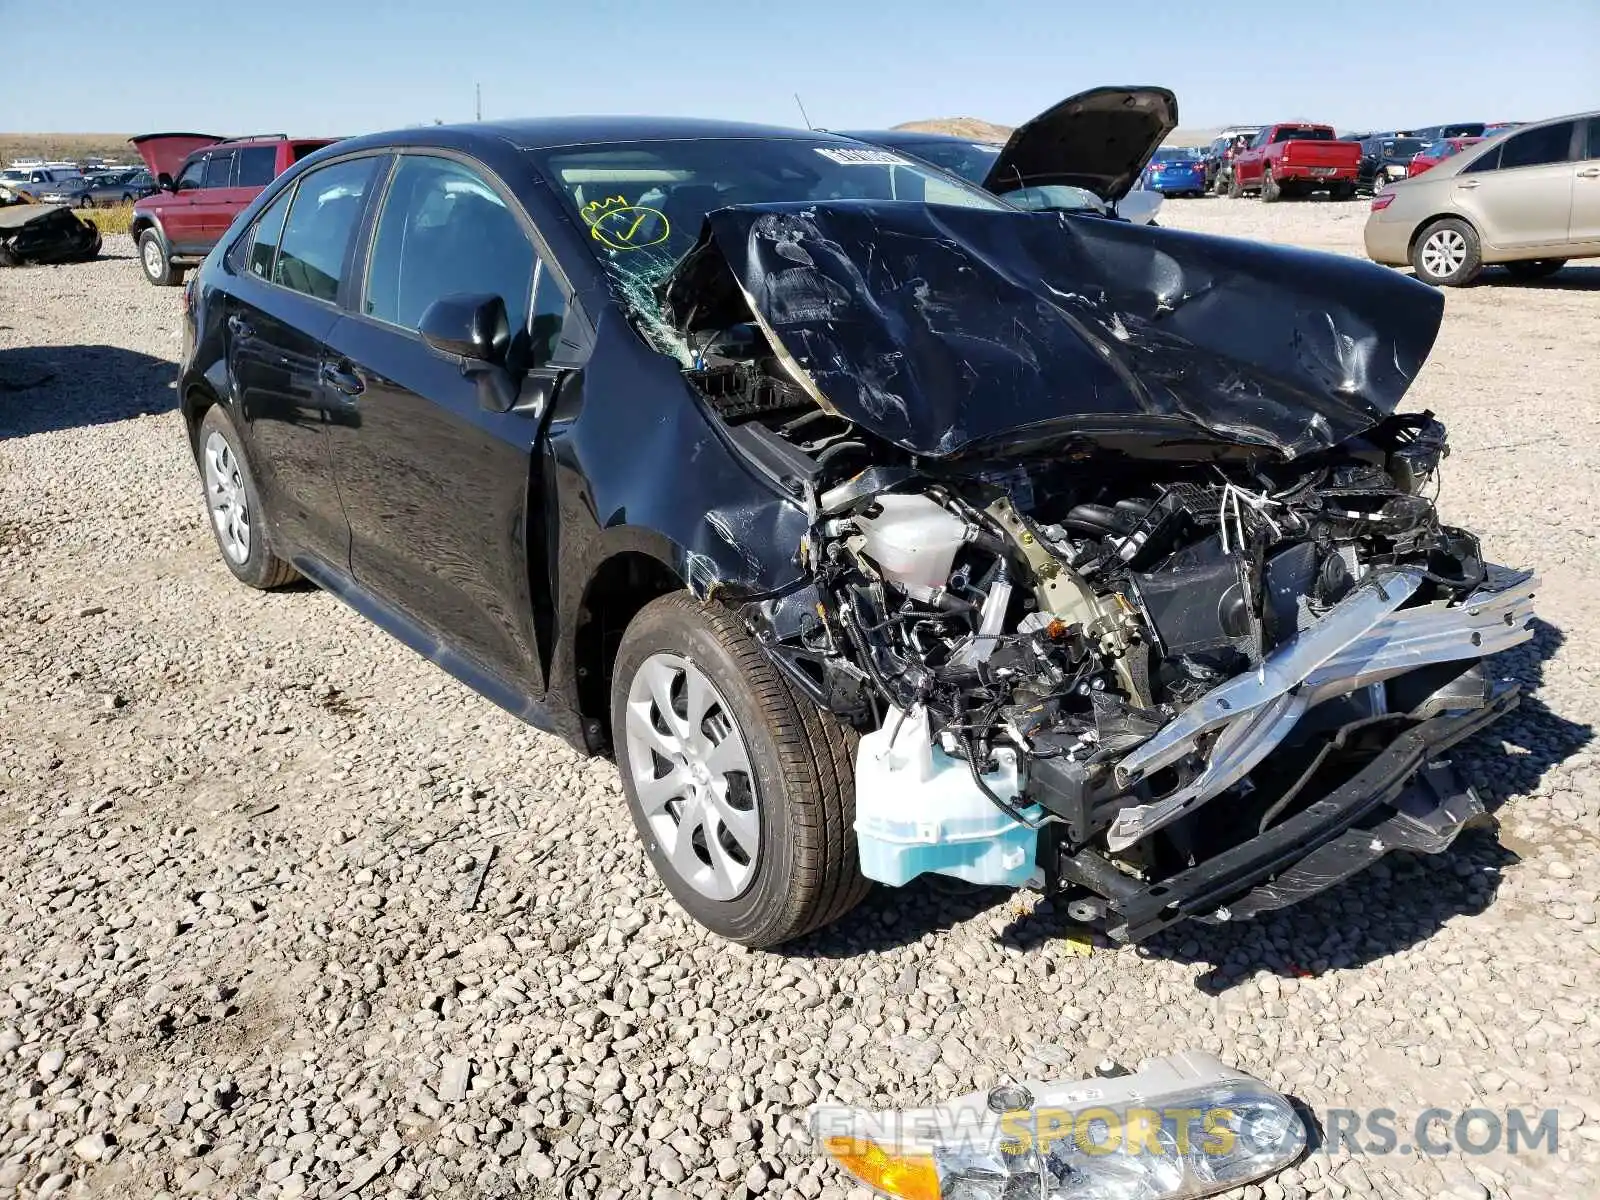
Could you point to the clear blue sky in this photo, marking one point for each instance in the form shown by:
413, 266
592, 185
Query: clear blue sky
336, 66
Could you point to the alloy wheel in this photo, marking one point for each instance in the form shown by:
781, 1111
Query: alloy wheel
225, 496
1444, 253
153, 263
692, 776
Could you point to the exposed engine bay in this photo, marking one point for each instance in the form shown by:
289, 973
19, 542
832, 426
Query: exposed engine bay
1204, 677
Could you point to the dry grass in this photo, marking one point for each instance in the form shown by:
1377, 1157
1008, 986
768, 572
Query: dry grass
71, 146
110, 220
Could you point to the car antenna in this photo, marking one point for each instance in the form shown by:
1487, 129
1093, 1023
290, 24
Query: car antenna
801, 105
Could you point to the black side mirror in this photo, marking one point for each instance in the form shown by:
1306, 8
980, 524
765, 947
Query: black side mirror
164, 182
474, 327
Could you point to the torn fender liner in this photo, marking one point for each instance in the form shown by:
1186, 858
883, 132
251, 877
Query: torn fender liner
946, 329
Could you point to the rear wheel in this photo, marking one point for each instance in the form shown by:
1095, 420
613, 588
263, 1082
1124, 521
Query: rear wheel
1447, 253
234, 506
1342, 191
742, 789
1235, 188
1271, 193
158, 268
1534, 268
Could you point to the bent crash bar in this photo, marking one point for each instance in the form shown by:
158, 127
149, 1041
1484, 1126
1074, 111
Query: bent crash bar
1365, 639
1386, 806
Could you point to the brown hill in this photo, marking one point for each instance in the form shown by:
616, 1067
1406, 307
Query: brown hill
68, 146
979, 130
973, 128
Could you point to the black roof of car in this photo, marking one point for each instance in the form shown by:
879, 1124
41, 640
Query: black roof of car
543, 133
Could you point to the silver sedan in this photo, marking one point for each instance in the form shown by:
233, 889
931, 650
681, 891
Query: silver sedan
1527, 200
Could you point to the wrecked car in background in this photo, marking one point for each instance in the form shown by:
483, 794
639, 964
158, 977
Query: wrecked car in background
877, 528
44, 233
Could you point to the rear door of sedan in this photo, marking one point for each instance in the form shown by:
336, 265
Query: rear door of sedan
436, 487
1519, 192
1585, 224
291, 270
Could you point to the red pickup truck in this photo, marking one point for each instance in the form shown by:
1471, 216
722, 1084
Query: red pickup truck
205, 182
1295, 159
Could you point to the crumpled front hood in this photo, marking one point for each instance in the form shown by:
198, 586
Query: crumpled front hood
945, 330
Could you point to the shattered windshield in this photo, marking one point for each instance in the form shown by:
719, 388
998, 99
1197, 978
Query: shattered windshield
644, 202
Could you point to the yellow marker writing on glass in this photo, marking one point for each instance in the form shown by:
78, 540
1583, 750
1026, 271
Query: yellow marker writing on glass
618, 225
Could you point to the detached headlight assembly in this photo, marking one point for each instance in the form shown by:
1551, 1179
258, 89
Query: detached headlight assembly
1180, 1127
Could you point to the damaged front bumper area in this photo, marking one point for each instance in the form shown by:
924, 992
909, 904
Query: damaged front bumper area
1124, 604
1405, 798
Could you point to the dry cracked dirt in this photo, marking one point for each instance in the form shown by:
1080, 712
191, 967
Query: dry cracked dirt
244, 951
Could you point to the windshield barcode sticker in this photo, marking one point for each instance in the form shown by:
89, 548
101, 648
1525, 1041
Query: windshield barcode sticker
862, 158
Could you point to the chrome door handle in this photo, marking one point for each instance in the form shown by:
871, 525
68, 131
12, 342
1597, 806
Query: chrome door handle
1589, 173
1471, 183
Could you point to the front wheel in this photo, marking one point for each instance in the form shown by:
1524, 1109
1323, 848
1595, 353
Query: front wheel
158, 268
1534, 268
1447, 254
742, 789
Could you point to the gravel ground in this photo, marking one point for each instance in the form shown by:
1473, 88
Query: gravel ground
239, 837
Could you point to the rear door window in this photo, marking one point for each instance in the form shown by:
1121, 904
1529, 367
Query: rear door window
264, 239
1537, 147
257, 165
320, 227
218, 169
445, 232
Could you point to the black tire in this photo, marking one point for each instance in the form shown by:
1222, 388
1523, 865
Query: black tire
127, 197
1342, 191
86, 201
1271, 193
164, 274
1235, 188
807, 870
1534, 268
261, 568
1448, 230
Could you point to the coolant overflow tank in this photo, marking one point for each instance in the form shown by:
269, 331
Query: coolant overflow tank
913, 540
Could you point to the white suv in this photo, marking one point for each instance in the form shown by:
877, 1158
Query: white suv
33, 182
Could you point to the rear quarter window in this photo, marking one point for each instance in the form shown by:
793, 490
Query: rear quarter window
257, 165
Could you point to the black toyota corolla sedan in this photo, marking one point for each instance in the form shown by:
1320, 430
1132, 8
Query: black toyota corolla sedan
877, 527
